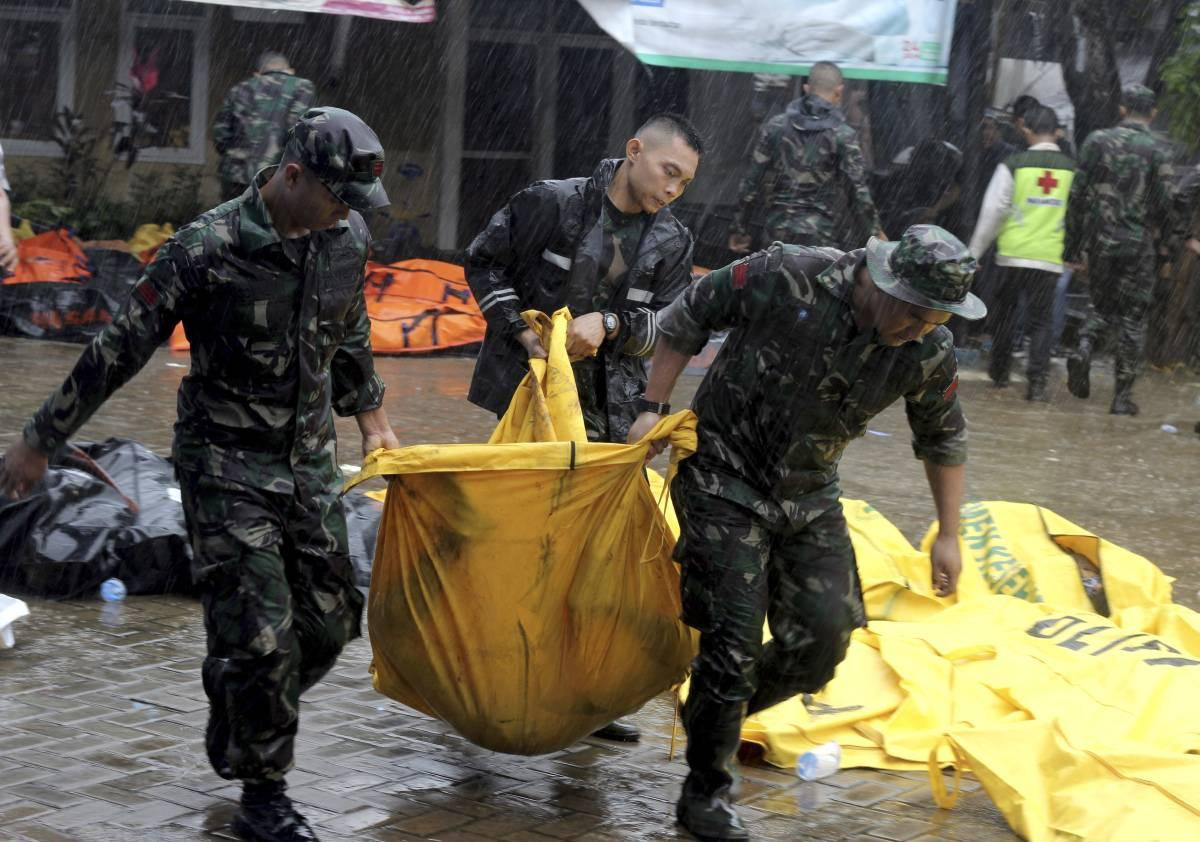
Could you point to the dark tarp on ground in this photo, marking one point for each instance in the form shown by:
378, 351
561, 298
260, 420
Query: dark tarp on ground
71, 310
74, 531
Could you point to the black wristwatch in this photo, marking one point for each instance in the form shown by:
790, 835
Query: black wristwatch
611, 324
643, 405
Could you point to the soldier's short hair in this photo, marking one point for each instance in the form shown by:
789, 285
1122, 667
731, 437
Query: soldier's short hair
677, 125
271, 60
1022, 105
1138, 99
824, 77
1041, 119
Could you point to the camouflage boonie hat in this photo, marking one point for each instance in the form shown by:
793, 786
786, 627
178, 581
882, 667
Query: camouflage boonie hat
1137, 98
342, 151
928, 267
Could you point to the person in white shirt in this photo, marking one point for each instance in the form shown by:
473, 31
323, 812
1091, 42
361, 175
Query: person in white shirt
8, 246
1024, 212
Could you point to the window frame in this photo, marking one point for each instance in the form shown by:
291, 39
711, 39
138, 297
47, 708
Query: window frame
64, 96
196, 152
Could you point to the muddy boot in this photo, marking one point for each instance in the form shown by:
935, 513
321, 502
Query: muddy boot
705, 806
268, 815
1122, 403
1037, 391
1079, 369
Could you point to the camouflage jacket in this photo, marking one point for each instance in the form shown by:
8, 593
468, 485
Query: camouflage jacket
1122, 194
802, 158
797, 379
544, 250
254, 120
279, 333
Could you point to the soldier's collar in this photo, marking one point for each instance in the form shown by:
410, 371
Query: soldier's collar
255, 228
838, 277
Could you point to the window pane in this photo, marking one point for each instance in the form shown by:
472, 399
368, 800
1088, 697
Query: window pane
581, 124
29, 81
486, 186
499, 98
509, 14
163, 59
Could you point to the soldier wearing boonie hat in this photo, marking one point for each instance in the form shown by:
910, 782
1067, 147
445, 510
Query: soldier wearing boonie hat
820, 342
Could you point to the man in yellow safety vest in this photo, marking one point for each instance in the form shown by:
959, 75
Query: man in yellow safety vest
1024, 210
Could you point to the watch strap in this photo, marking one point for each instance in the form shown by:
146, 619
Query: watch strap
643, 405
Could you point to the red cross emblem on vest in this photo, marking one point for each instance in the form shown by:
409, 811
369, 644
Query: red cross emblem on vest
1047, 182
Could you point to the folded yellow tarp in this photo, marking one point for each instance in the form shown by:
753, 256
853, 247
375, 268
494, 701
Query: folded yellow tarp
1078, 725
523, 590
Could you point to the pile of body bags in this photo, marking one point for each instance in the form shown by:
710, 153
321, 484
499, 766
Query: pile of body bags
113, 510
67, 290
524, 592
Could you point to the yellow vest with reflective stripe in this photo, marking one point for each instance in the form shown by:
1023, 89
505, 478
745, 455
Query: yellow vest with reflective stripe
1034, 229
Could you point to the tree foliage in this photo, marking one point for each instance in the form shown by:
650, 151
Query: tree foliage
1181, 80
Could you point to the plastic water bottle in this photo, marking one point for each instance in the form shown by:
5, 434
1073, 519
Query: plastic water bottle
820, 762
112, 590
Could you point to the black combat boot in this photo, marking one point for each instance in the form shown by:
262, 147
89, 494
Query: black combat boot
1122, 403
705, 806
1079, 369
620, 730
268, 815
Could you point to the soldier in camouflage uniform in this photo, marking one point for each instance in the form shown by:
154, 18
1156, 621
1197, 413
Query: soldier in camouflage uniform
1121, 201
269, 287
802, 160
821, 342
254, 120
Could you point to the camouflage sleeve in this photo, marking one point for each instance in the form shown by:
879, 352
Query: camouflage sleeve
853, 169
752, 183
301, 102
737, 294
934, 413
355, 385
1077, 204
1184, 215
638, 336
118, 352
1161, 198
226, 127
519, 229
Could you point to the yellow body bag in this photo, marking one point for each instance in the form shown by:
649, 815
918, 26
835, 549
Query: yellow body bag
523, 590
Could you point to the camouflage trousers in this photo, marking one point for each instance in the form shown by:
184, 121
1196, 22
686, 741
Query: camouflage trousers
738, 571
280, 602
799, 230
1120, 294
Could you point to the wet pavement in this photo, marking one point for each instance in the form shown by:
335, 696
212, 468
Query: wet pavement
102, 711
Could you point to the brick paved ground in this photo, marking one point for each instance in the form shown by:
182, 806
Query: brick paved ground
101, 738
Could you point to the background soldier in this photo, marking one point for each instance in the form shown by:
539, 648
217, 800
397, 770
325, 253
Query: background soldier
254, 120
821, 342
270, 291
802, 159
1120, 203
